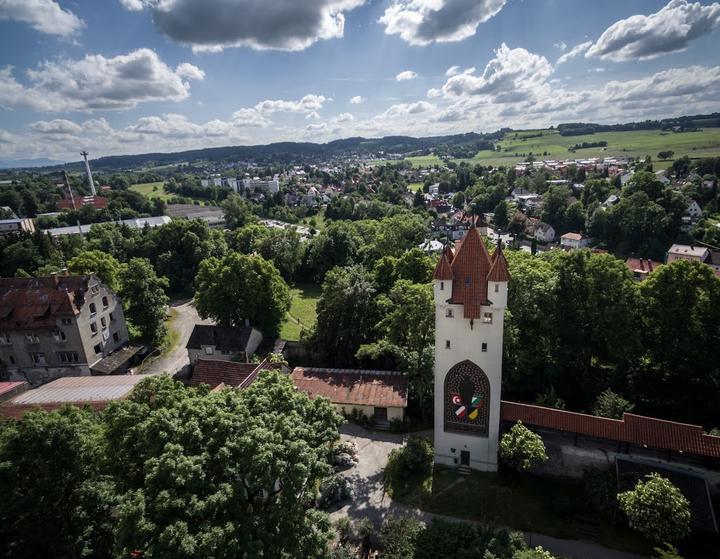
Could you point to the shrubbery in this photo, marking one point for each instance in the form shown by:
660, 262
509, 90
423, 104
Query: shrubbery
521, 449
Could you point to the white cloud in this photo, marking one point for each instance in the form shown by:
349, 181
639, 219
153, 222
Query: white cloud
669, 30
307, 104
402, 109
694, 81
420, 22
357, 100
453, 70
56, 126
406, 75
95, 83
189, 72
573, 52
562, 45
344, 117
249, 117
211, 25
45, 16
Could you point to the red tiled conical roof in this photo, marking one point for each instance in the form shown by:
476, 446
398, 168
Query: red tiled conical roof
443, 270
499, 269
470, 268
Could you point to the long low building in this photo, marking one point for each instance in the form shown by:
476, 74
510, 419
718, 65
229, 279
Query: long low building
134, 223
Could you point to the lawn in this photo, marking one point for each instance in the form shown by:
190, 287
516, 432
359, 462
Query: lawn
415, 186
552, 507
635, 143
302, 313
319, 218
151, 190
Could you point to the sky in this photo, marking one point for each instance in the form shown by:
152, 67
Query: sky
135, 76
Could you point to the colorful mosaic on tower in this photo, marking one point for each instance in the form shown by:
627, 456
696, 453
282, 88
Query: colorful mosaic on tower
467, 399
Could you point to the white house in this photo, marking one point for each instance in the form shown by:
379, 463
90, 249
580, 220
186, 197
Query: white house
688, 252
694, 210
544, 233
272, 185
434, 189
573, 241
470, 290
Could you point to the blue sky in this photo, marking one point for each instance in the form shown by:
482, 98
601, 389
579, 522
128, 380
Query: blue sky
130, 76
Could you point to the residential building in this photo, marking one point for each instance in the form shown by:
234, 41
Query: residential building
211, 342
16, 225
694, 210
271, 185
688, 252
544, 233
378, 395
434, 189
572, 241
94, 392
57, 326
641, 268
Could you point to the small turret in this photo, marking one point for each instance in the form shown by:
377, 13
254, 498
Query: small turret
498, 278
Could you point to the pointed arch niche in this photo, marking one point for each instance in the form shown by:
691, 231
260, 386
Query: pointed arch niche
467, 399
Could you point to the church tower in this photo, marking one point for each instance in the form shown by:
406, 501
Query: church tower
470, 299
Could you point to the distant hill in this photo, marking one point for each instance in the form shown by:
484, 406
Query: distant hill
27, 163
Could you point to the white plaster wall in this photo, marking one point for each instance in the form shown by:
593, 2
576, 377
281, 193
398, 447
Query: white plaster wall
465, 343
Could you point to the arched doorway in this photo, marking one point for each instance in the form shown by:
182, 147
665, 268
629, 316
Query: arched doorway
467, 399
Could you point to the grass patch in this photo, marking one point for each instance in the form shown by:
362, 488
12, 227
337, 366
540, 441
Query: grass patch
302, 313
546, 506
151, 190
319, 218
172, 338
415, 186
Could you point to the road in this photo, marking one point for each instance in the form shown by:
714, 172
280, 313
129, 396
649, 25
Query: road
370, 501
186, 317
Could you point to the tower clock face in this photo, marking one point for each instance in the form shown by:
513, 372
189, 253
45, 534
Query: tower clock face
467, 399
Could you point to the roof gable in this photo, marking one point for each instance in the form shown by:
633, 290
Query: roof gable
470, 267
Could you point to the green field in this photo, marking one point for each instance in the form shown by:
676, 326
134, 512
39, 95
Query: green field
704, 143
415, 186
302, 313
151, 190
416, 161
319, 218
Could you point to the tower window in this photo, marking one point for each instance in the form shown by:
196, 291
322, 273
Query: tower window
484, 347
449, 313
497, 288
447, 344
487, 318
442, 285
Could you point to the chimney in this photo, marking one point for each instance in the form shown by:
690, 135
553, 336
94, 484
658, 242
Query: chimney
54, 276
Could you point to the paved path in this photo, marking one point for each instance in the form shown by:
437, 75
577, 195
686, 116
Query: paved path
186, 317
370, 500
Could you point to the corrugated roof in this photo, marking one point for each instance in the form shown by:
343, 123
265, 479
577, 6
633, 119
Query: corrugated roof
633, 429
382, 389
79, 389
9, 389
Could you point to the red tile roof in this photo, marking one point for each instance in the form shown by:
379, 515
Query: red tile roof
36, 303
470, 270
382, 389
499, 269
642, 265
213, 373
10, 389
633, 429
443, 270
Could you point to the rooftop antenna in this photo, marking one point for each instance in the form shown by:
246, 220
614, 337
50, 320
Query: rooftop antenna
89, 173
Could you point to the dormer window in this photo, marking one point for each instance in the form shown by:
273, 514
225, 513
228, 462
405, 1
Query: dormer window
487, 318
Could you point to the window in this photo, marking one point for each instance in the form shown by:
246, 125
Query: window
94, 289
484, 347
93, 309
105, 302
32, 339
208, 350
103, 322
449, 313
68, 356
38, 358
66, 321
442, 285
487, 318
12, 359
5, 339
497, 288
98, 348
116, 337
93, 328
112, 317
447, 344
59, 336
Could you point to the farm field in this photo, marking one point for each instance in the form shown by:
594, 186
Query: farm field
704, 143
151, 190
302, 311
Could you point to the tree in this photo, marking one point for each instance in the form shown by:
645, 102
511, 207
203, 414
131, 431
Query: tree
612, 405
665, 154
554, 206
406, 336
398, 537
521, 449
414, 265
283, 247
238, 211
144, 299
227, 474
56, 501
500, 215
103, 265
347, 313
238, 287
574, 218
657, 509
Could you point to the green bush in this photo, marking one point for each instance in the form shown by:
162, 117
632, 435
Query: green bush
600, 488
333, 490
342, 552
442, 539
657, 509
521, 449
398, 537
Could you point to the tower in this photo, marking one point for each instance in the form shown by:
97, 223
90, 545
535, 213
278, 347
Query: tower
470, 288
89, 173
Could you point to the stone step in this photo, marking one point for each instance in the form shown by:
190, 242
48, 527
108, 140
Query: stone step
464, 470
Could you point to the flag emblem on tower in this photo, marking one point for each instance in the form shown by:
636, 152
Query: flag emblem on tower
469, 411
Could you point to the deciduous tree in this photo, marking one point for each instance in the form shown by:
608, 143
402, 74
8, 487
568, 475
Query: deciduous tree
144, 299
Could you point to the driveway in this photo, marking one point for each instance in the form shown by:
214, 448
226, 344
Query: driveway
370, 501
184, 320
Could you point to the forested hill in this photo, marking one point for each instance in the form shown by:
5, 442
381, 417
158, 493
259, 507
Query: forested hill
458, 145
